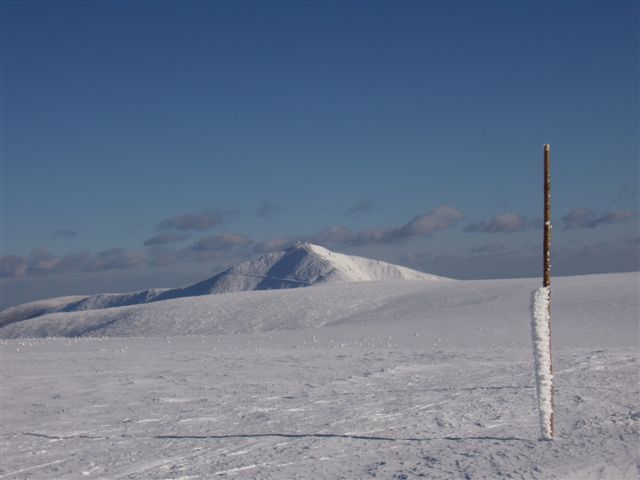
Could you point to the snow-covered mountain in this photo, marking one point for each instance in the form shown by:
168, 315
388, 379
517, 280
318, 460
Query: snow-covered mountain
301, 265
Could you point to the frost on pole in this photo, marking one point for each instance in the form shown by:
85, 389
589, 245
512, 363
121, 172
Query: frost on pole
540, 334
541, 317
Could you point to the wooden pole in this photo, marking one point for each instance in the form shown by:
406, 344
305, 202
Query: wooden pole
546, 279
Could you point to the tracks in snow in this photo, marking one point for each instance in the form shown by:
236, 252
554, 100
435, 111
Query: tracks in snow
289, 413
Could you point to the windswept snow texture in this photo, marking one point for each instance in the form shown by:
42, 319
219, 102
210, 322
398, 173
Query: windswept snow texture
393, 380
302, 265
541, 336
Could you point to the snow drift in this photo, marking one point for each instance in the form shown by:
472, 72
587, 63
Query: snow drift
301, 265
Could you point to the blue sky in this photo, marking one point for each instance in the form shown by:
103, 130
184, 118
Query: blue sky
213, 131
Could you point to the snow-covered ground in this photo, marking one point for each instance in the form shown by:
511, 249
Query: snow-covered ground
392, 379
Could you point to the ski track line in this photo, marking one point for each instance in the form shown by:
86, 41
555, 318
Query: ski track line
35, 467
142, 466
239, 469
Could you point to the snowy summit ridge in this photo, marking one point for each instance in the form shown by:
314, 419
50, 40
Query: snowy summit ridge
301, 265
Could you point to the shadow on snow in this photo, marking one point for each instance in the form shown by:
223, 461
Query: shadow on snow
333, 435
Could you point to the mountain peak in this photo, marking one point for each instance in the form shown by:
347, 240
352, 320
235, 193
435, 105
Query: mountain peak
306, 246
301, 265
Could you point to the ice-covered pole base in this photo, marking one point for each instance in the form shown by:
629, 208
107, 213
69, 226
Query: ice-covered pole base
540, 334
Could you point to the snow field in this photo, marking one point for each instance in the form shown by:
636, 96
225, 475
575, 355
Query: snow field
199, 408
399, 380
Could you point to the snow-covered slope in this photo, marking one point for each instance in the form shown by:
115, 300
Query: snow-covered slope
469, 311
302, 265
37, 308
